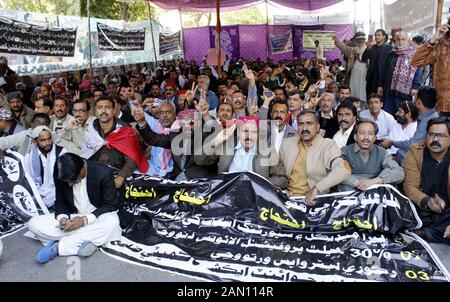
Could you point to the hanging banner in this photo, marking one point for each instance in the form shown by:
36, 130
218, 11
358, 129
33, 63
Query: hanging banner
169, 44
281, 43
325, 39
116, 39
25, 38
238, 227
229, 40
19, 198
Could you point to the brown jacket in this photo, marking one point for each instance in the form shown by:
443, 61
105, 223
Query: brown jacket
324, 164
412, 165
439, 55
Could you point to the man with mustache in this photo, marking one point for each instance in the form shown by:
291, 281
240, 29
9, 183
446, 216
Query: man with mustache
278, 128
296, 101
21, 113
95, 148
310, 164
182, 140
384, 120
39, 162
406, 126
370, 164
327, 116
239, 104
346, 116
241, 150
425, 103
61, 117
44, 105
427, 179
74, 132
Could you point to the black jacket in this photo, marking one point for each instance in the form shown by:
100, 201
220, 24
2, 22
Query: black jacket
191, 168
101, 191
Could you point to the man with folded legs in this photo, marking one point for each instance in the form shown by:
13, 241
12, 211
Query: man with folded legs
85, 210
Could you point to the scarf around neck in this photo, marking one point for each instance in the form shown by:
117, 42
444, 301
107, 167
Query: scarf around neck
403, 75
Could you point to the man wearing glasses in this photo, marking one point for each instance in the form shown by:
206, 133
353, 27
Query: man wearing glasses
427, 184
74, 132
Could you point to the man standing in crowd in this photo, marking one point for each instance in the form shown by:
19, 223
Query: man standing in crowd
436, 51
356, 66
39, 163
377, 55
327, 116
427, 181
309, 165
401, 79
370, 164
85, 210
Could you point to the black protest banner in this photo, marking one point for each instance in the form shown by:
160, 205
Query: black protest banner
19, 198
24, 38
115, 39
238, 227
169, 43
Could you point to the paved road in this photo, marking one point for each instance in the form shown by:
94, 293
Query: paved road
18, 264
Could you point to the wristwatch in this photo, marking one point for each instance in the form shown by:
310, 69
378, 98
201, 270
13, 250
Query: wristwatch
424, 202
85, 220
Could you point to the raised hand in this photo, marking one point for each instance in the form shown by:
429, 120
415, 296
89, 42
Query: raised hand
254, 109
138, 115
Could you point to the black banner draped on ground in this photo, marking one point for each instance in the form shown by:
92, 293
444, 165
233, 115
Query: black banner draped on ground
19, 199
24, 38
238, 227
115, 39
169, 43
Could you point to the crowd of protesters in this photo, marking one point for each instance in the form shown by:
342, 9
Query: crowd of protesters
309, 126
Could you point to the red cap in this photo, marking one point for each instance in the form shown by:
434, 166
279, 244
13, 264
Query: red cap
171, 84
182, 92
247, 119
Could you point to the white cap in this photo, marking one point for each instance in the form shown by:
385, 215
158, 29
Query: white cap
36, 131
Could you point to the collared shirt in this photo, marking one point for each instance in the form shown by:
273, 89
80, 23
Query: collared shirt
277, 136
81, 200
399, 133
242, 160
60, 124
298, 181
341, 138
385, 122
420, 134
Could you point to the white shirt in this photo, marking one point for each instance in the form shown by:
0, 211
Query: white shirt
277, 136
242, 161
385, 122
399, 133
341, 138
81, 200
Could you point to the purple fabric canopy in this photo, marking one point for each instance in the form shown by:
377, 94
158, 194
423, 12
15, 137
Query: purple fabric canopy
209, 5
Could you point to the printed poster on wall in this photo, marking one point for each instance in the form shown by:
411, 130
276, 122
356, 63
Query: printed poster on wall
325, 39
281, 43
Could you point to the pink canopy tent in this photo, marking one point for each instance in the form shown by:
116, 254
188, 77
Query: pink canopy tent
208, 5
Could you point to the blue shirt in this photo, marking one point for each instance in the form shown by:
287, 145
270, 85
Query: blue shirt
419, 135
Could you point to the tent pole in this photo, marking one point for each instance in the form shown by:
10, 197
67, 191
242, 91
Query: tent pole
440, 7
181, 33
267, 30
151, 31
218, 46
382, 14
88, 4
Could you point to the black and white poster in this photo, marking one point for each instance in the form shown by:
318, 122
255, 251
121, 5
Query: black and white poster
238, 227
19, 198
169, 44
116, 39
24, 38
